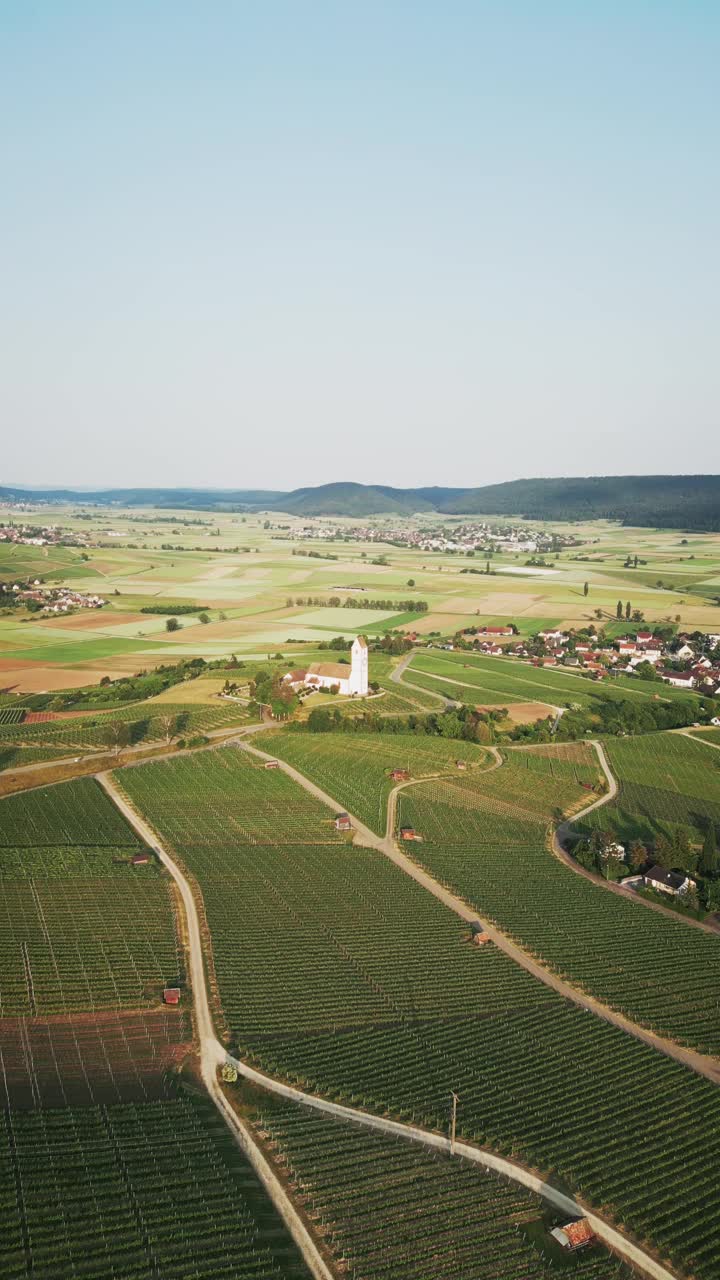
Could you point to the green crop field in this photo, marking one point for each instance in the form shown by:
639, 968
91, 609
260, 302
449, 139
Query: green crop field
157, 1191
80, 928
667, 780
506, 680
481, 838
393, 1209
354, 768
337, 971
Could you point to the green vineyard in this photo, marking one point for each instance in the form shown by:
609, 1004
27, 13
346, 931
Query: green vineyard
156, 1191
394, 1211
498, 681
80, 926
481, 838
355, 768
338, 972
666, 780
144, 722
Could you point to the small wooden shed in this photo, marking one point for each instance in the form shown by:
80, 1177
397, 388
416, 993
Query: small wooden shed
171, 995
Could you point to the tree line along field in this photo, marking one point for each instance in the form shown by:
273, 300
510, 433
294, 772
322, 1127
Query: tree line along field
157, 1191
80, 927
498, 681
486, 837
338, 972
666, 780
355, 768
392, 1210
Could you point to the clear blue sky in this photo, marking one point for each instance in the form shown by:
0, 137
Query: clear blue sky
282, 243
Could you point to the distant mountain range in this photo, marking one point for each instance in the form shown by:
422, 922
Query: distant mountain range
671, 502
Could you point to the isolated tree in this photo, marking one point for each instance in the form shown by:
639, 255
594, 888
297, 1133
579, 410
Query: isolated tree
709, 859
637, 855
411, 582
662, 852
204, 618
116, 736
619, 610
172, 624
169, 726
628, 610
586, 589
712, 898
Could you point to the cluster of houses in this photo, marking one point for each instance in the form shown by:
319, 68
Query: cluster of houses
460, 539
49, 535
673, 883
695, 664
51, 600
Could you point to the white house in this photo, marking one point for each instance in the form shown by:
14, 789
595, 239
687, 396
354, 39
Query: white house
679, 679
349, 680
671, 882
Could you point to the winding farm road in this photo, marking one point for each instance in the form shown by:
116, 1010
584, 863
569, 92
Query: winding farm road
563, 832
213, 1055
396, 675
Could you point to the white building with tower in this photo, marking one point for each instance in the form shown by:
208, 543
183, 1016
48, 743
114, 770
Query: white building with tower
349, 680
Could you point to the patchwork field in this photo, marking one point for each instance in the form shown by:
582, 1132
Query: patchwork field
261, 586
337, 971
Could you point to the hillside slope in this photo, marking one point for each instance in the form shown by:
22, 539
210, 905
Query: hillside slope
671, 502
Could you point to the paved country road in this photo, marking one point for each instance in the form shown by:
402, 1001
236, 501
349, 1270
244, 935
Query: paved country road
213, 1055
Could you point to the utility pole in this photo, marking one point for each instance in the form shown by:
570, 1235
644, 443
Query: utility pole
453, 1122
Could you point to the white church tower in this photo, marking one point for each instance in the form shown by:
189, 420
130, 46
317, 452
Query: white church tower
358, 682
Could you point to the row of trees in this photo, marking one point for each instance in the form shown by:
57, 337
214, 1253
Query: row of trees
463, 723
358, 602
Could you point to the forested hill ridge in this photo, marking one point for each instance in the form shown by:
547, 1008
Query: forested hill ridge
671, 502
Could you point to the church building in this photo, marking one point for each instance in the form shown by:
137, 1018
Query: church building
351, 679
